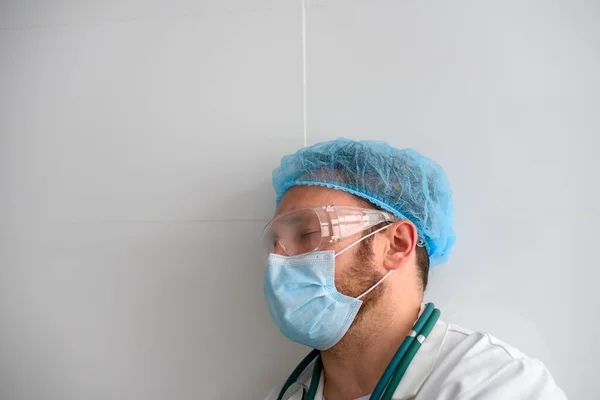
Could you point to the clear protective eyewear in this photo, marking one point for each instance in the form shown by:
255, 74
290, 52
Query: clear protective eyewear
306, 230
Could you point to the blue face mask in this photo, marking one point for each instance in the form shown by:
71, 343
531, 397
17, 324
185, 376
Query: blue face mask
303, 301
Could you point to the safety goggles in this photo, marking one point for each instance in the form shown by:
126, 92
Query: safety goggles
306, 230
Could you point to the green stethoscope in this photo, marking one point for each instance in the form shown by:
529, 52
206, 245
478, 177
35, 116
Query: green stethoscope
393, 373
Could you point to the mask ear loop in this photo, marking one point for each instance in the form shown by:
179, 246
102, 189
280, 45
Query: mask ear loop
375, 285
361, 239
357, 242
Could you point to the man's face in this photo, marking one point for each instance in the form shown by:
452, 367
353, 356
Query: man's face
357, 269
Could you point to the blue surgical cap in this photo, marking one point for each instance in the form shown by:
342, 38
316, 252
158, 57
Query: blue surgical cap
401, 181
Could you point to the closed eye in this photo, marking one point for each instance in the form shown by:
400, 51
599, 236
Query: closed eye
309, 233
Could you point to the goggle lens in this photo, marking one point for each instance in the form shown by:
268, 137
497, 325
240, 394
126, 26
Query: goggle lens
296, 232
304, 230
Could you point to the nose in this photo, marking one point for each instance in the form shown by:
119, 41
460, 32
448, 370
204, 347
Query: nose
278, 249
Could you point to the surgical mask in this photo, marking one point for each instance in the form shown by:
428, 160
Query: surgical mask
303, 301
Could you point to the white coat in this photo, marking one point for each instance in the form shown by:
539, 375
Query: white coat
457, 364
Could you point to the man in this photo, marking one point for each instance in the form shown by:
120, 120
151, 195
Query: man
357, 226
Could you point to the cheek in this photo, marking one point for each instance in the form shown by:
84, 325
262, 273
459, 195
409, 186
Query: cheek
345, 273
377, 263
354, 272
340, 273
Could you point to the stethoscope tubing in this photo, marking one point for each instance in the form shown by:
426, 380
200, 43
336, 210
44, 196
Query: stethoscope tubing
410, 354
297, 372
387, 374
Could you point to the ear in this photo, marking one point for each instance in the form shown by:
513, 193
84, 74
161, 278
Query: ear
403, 238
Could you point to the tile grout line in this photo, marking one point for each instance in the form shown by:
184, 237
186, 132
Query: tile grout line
137, 221
304, 111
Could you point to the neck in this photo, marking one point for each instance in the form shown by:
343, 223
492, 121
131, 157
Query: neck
354, 366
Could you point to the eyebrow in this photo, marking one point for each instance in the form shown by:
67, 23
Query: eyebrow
295, 219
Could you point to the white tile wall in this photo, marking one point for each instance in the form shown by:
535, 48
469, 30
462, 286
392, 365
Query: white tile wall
136, 145
41, 13
137, 310
150, 119
137, 141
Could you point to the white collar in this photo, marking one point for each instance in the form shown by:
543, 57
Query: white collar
421, 366
418, 371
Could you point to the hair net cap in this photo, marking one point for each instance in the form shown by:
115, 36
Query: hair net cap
401, 181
